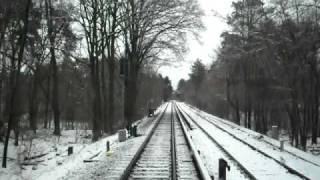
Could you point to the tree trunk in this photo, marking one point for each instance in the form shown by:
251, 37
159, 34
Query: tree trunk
303, 133
294, 130
96, 100
11, 118
111, 64
315, 123
33, 102
15, 81
130, 101
104, 104
264, 119
238, 118
46, 120
130, 93
257, 118
55, 93
235, 105
53, 63
249, 117
111, 95
2, 76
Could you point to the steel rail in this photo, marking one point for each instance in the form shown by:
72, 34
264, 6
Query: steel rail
184, 116
202, 170
136, 157
173, 148
227, 124
290, 170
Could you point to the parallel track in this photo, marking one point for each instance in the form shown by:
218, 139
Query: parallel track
230, 156
274, 146
252, 176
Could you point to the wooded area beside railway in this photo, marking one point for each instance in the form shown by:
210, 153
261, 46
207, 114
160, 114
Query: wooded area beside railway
267, 69
91, 62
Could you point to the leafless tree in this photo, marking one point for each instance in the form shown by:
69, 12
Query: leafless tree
149, 28
20, 31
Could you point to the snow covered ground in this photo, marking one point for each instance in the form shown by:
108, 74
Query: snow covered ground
55, 162
260, 165
111, 166
259, 154
210, 154
53, 152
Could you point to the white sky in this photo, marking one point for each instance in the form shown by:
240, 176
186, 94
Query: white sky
210, 39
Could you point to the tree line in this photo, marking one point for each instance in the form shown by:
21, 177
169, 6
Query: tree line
87, 61
266, 71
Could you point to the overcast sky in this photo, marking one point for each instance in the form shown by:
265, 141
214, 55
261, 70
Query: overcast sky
210, 39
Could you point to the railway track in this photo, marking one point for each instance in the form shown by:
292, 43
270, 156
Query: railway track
256, 134
259, 171
166, 153
219, 147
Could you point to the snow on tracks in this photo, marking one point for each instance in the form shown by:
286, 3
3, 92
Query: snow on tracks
164, 154
260, 165
296, 161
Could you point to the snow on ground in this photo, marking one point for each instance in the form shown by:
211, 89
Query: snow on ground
262, 138
304, 163
56, 164
111, 166
53, 149
211, 154
76, 159
252, 160
108, 165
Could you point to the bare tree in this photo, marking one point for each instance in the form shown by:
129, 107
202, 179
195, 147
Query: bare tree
110, 20
53, 61
149, 28
90, 12
16, 64
269, 65
113, 33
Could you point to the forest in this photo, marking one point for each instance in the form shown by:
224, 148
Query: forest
88, 64
94, 65
266, 71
